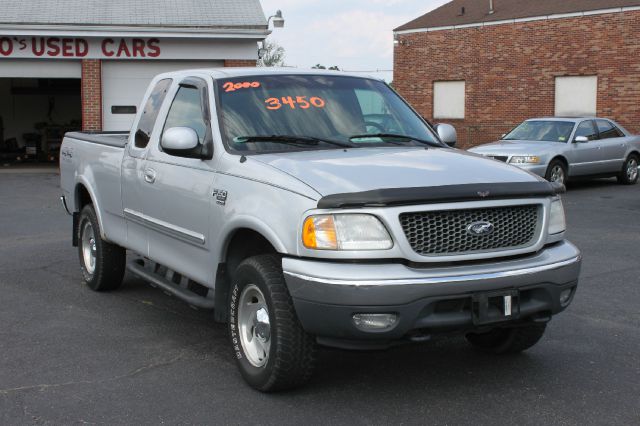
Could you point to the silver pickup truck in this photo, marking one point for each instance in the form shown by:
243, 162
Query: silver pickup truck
312, 208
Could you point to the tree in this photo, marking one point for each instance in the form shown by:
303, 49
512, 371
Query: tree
322, 67
272, 55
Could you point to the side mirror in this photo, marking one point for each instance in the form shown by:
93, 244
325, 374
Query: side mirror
581, 139
180, 141
447, 134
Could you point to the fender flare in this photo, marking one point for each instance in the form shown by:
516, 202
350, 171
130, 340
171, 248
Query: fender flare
81, 180
252, 223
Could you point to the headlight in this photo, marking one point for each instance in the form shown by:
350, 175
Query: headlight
345, 232
527, 159
556, 217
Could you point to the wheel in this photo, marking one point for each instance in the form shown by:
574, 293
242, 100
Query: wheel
101, 262
556, 172
507, 340
629, 173
272, 350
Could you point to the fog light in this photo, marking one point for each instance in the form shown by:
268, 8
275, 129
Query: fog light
565, 297
368, 322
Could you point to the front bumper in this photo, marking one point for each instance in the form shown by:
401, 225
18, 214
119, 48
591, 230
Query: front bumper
538, 169
427, 300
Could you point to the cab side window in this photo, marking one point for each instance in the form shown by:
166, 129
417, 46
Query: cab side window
586, 128
150, 113
607, 130
186, 111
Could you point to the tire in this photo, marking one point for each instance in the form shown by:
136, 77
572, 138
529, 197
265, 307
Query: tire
102, 263
556, 172
279, 355
507, 340
629, 173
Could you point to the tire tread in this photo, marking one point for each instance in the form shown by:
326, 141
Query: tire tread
295, 350
110, 261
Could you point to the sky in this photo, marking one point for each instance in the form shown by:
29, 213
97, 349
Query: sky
355, 35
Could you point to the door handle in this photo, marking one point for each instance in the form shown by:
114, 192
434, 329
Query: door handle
149, 175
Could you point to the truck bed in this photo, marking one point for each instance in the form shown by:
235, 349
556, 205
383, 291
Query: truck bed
115, 139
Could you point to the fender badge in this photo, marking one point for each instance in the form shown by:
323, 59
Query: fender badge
220, 196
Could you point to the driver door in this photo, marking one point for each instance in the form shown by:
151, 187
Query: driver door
177, 197
583, 156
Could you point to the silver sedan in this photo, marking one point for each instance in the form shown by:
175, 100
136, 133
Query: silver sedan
559, 149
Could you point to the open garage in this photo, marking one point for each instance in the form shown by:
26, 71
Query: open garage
37, 105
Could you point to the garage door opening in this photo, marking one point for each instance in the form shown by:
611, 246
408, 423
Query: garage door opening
35, 113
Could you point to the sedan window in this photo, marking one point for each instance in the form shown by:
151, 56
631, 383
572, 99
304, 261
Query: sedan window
542, 130
587, 129
608, 130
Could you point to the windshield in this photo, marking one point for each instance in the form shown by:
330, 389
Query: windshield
325, 112
538, 130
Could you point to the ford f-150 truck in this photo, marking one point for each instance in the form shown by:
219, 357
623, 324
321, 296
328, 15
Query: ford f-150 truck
316, 208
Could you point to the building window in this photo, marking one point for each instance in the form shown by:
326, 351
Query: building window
576, 96
448, 99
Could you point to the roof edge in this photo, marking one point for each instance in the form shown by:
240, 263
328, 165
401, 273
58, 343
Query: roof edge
405, 29
253, 32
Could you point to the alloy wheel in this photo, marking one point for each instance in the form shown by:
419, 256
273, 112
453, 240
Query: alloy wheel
254, 326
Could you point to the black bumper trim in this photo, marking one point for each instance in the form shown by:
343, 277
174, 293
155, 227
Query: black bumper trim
427, 316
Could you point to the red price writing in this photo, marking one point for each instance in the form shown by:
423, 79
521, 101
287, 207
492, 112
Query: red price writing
232, 87
293, 103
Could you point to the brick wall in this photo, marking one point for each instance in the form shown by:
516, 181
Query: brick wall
510, 69
91, 87
239, 63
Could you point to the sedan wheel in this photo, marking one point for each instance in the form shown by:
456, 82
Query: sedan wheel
556, 172
629, 173
632, 169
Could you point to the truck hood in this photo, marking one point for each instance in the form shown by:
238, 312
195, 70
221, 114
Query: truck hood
514, 147
364, 169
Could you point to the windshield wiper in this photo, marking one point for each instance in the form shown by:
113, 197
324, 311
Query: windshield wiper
290, 139
396, 136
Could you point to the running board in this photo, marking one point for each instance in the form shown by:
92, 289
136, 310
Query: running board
138, 268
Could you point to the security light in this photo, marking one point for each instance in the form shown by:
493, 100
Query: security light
278, 20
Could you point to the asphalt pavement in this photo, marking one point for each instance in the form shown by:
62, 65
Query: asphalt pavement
137, 356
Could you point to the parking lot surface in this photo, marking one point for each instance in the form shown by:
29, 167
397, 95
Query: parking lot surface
136, 356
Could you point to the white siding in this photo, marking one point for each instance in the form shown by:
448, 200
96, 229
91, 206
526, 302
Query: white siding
125, 82
576, 96
448, 99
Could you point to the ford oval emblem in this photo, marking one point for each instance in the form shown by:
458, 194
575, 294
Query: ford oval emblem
480, 228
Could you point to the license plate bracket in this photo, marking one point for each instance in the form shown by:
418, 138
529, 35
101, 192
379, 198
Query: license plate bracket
497, 306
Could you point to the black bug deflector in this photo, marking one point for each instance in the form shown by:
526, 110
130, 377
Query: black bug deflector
441, 194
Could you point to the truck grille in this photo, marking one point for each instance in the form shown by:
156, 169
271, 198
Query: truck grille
440, 233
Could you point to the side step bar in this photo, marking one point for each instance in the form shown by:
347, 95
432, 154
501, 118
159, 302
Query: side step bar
138, 268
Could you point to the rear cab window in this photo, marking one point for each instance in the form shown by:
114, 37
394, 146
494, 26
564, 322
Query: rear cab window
150, 113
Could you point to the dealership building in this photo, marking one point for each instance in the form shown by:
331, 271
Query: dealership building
486, 65
70, 64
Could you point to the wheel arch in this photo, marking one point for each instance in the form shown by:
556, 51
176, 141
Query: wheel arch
561, 158
240, 243
83, 195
